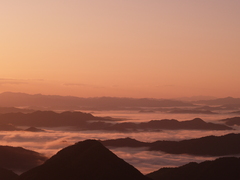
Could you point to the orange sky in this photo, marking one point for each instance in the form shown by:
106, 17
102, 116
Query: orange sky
127, 48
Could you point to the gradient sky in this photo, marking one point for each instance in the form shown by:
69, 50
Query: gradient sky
125, 48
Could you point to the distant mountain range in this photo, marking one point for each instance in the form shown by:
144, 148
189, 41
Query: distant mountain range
196, 98
4, 110
220, 101
86, 121
205, 146
166, 124
49, 119
54, 102
8, 127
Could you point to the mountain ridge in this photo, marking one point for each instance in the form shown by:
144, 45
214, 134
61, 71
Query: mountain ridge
205, 146
57, 102
84, 160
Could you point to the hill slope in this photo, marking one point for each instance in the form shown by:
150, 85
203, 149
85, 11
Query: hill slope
86, 160
210, 145
7, 174
220, 169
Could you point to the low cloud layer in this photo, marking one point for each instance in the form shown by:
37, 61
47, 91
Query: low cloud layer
51, 141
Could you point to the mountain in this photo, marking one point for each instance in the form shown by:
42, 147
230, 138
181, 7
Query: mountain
48, 119
167, 124
7, 174
209, 145
34, 129
232, 121
4, 110
227, 168
86, 160
54, 102
220, 101
8, 127
206, 146
196, 98
86, 121
190, 111
19, 159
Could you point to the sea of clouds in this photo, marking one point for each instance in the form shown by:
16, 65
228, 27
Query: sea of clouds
53, 140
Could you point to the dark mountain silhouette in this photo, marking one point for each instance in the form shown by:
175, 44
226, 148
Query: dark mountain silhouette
34, 129
75, 103
8, 127
48, 119
86, 160
4, 110
166, 124
227, 168
86, 121
232, 121
206, 146
19, 159
209, 145
7, 174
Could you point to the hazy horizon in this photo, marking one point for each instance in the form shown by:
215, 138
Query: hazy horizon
187, 98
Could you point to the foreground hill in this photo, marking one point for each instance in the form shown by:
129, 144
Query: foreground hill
7, 174
210, 145
227, 168
86, 160
19, 159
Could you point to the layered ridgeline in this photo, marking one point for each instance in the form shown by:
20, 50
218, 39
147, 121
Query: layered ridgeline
49, 119
86, 121
90, 160
86, 160
210, 145
39, 101
227, 168
55, 102
226, 102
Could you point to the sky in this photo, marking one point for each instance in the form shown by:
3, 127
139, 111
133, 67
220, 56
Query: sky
122, 48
